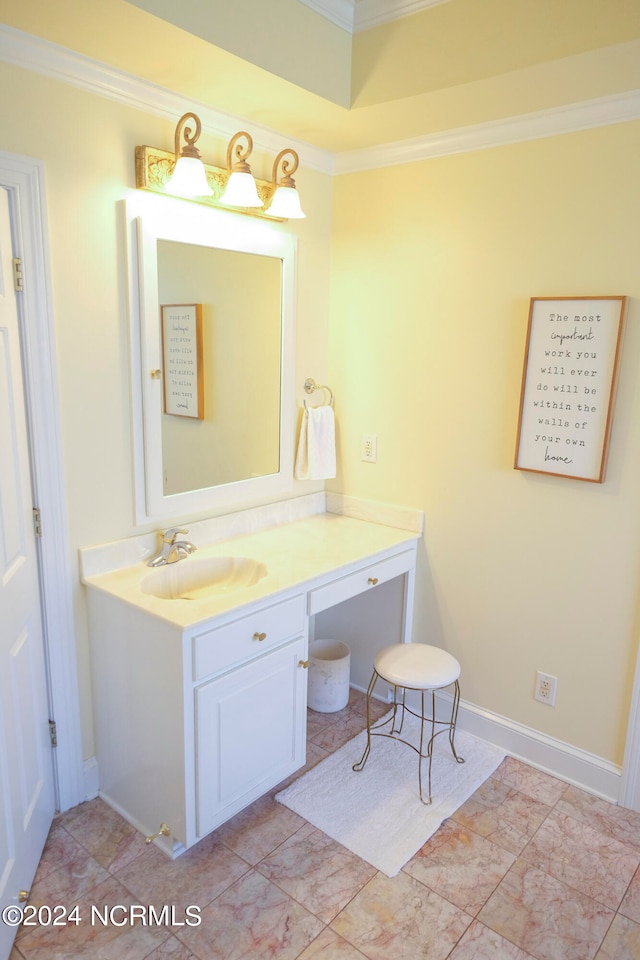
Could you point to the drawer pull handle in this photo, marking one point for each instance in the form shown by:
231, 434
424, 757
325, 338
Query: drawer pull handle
304, 664
372, 581
260, 636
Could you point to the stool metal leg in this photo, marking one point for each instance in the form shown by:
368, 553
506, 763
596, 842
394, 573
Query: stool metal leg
421, 754
367, 750
452, 730
398, 703
454, 720
424, 751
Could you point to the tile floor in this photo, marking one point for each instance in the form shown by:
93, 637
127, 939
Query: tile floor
529, 867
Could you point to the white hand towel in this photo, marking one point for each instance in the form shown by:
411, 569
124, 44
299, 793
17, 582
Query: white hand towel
316, 456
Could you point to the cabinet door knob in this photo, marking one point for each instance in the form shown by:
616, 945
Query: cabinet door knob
372, 581
259, 636
304, 664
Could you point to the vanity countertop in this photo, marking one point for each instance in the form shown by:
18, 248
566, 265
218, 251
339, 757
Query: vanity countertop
296, 554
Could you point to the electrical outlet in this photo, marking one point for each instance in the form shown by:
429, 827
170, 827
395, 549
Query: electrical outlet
546, 689
369, 448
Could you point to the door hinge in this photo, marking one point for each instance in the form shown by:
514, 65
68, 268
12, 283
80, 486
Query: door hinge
17, 275
37, 522
53, 733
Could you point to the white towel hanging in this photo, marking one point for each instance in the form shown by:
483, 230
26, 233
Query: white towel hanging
316, 455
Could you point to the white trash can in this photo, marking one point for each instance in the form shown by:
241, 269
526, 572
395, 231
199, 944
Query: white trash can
330, 663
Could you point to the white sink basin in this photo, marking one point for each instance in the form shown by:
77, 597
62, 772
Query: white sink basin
199, 578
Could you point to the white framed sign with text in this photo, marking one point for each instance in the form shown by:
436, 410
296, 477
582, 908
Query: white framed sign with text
568, 385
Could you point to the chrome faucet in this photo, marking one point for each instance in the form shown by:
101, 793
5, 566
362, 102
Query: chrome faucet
172, 549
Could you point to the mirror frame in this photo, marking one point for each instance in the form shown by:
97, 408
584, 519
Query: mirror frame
150, 218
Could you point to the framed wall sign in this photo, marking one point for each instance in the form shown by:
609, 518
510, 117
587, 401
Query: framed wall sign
182, 359
568, 385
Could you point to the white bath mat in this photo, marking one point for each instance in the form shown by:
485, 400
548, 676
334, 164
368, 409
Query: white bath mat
377, 813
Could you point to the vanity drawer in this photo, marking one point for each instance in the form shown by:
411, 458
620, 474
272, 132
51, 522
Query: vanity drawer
355, 583
247, 637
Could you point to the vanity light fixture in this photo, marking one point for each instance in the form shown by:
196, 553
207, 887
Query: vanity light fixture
183, 173
285, 199
241, 190
188, 178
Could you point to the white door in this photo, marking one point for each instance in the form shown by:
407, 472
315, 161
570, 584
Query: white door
26, 767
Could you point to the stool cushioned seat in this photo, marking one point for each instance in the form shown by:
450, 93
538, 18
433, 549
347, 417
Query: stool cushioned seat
417, 665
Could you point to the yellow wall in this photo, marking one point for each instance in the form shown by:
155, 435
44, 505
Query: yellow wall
87, 144
433, 267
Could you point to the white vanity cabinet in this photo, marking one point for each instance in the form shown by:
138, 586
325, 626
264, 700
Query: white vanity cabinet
192, 725
200, 706
250, 718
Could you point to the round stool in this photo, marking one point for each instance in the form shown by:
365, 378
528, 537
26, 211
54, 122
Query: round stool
414, 666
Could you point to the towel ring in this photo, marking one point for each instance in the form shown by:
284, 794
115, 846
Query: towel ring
310, 385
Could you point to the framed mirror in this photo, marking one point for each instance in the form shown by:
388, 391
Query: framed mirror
212, 320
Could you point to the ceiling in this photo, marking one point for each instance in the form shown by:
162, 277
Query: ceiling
287, 66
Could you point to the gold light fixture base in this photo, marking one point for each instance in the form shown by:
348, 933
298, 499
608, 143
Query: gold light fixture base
154, 167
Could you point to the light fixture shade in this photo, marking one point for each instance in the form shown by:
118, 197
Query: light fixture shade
286, 204
241, 191
189, 179
285, 200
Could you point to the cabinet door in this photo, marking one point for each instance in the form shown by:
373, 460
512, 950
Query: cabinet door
250, 732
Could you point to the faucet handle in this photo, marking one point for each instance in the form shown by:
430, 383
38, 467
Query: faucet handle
171, 534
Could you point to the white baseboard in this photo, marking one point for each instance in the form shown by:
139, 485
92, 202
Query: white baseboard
560, 759
576, 766
90, 778
171, 848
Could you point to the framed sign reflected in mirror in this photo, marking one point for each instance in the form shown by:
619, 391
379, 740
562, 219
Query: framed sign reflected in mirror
182, 360
568, 385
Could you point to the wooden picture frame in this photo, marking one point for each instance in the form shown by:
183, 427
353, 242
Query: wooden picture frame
182, 359
568, 385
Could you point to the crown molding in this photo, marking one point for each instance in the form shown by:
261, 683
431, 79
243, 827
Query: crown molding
340, 12
373, 13
619, 108
359, 15
31, 53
